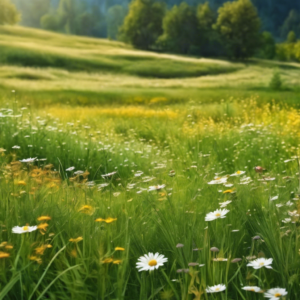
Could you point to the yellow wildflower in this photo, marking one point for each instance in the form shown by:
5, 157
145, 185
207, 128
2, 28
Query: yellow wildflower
117, 261
119, 249
4, 254
86, 209
107, 220
21, 182
43, 226
228, 192
76, 240
107, 260
44, 218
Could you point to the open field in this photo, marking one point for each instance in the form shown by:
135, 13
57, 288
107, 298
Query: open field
125, 164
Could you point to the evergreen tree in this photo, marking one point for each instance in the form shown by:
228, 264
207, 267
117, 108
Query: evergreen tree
115, 18
238, 24
291, 23
143, 24
291, 38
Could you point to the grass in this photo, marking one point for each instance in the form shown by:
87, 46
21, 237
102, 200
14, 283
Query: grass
124, 165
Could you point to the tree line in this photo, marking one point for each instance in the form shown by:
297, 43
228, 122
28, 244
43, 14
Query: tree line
233, 30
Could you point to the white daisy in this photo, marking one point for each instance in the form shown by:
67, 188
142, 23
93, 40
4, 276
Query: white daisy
23, 229
224, 204
16, 147
255, 289
274, 198
156, 187
219, 213
275, 293
261, 262
28, 160
70, 169
150, 262
287, 220
218, 180
238, 173
216, 288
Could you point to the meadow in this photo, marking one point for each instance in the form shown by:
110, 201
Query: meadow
102, 165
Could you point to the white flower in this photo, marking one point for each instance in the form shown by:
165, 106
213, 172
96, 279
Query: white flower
228, 185
289, 203
274, 198
23, 229
275, 293
156, 187
261, 262
245, 180
238, 173
150, 262
255, 289
109, 174
216, 288
138, 173
16, 147
218, 180
219, 213
224, 204
28, 160
293, 213
70, 169
287, 220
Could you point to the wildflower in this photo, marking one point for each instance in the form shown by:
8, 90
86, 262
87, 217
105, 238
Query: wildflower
119, 249
108, 175
259, 169
40, 250
220, 259
107, 220
193, 264
218, 180
275, 293
235, 260
255, 289
156, 187
228, 192
16, 147
4, 254
21, 182
293, 213
117, 261
261, 262
224, 204
107, 260
43, 226
238, 173
76, 240
274, 198
24, 229
216, 288
287, 220
150, 262
86, 209
70, 169
44, 218
219, 213
214, 249
28, 160
179, 245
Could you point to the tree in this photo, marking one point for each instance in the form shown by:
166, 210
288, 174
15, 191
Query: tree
143, 24
8, 13
115, 18
180, 29
291, 23
268, 46
51, 22
238, 25
68, 13
291, 38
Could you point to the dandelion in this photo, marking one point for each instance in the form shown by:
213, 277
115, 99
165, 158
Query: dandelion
255, 289
107, 260
216, 288
275, 293
24, 229
150, 262
261, 262
44, 218
76, 240
4, 254
107, 220
119, 249
43, 227
117, 261
86, 209
219, 213
228, 192
238, 173
21, 182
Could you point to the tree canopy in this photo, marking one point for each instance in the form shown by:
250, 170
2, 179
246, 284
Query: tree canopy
8, 13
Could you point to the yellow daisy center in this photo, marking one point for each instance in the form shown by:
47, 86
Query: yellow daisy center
217, 289
261, 264
25, 228
238, 172
217, 214
152, 263
277, 295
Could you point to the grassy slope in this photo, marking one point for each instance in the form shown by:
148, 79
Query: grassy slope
57, 68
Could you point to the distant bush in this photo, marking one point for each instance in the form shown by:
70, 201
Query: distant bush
276, 81
8, 13
267, 48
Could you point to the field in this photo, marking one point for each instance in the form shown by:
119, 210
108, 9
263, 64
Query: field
130, 152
